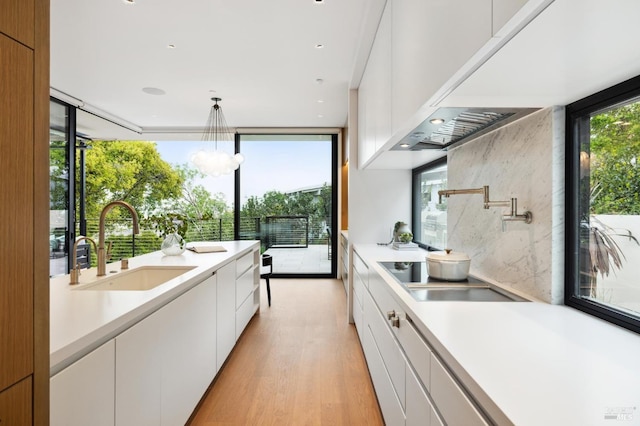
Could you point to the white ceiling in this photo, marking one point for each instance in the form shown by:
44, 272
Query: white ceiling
258, 56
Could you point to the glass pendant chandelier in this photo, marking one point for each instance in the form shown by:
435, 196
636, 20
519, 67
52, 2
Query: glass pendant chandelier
214, 162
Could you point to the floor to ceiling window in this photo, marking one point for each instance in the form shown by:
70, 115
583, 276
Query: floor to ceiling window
287, 196
284, 194
61, 187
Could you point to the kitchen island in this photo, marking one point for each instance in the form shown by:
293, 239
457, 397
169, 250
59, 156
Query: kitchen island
124, 356
522, 363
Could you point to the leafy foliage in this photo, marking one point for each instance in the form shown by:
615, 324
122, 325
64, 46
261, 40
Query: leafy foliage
614, 156
131, 171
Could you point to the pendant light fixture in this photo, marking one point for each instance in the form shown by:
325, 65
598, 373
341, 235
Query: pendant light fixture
214, 162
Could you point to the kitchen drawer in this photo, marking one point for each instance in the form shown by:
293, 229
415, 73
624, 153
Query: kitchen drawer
243, 315
391, 408
453, 403
361, 269
419, 410
358, 289
387, 346
244, 287
416, 350
244, 263
357, 316
383, 298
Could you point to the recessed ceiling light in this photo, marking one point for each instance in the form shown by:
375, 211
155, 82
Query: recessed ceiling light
319, 81
404, 145
171, 46
319, 46
153, 91
129, 1
320, 101
320, 116
436, 121
318, 1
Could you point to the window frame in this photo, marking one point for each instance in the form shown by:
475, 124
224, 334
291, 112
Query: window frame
575, 114
416, 199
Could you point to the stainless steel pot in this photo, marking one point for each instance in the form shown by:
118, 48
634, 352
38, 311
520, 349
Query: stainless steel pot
448, 265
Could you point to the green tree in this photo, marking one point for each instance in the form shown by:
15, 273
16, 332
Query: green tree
196, 202
614, 168
132, 171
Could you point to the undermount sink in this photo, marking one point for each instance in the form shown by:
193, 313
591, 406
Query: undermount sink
415, 280
461, 293
138, 279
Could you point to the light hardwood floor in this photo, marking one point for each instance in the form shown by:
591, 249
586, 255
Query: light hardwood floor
298, 363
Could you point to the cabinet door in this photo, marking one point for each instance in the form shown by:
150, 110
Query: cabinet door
83, 393
16, 211
15, 404
503, 10
453, 403
374, 92
431, 40
226, 312
139, 353
17, 20
389, 404
419, 411
189, 354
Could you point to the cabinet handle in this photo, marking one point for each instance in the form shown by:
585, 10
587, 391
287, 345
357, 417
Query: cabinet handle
395, 322
391, 314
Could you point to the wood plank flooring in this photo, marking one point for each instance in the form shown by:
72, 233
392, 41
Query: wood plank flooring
298, 363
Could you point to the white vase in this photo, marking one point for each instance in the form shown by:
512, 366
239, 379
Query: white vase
173, 245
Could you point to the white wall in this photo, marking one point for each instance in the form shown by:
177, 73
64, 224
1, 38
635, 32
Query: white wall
377, 198
524, 160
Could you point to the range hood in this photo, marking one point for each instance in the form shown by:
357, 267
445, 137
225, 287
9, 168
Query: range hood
449, 127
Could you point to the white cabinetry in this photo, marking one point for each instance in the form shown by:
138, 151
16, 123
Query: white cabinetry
247, 289
430, 41
82, 394
419, 411
344, 260
360, 281
413, 386
374, 93
165, 363
503, 10
226, 312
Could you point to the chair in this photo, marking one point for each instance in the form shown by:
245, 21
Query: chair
265, 272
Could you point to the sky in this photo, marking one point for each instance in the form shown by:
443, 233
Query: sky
269, 165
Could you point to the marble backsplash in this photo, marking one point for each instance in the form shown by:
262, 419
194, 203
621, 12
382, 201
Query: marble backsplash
524, 160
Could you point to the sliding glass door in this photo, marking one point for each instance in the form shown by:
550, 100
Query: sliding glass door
287, 197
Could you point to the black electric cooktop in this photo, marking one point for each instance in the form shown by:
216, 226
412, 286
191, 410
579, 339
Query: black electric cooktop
416, 272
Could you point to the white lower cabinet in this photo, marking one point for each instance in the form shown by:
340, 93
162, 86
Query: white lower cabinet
387, 398
165, 363
82, 394
418, 408
412, 384
226, 312
454, 405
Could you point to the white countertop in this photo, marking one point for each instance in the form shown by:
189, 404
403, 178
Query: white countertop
535, 363
82, 320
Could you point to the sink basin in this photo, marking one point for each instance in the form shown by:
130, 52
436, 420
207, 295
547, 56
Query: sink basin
462, 293
138, 279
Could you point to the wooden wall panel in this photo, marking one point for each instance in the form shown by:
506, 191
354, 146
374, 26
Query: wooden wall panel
41, 215
16, 20
16, 211
15, 404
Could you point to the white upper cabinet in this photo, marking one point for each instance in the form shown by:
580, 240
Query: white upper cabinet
430, 41
418, 46
503, 10
374, 94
